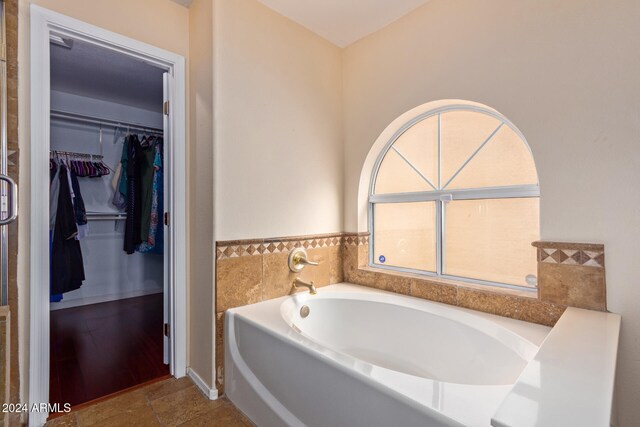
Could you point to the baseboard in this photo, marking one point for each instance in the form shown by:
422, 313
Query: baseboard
102, 298
211, 393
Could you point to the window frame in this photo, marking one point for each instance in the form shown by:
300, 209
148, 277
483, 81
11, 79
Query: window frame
441, 196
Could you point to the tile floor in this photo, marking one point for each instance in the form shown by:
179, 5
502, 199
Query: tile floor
172, 402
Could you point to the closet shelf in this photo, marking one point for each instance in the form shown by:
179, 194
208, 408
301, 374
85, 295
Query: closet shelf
83, 118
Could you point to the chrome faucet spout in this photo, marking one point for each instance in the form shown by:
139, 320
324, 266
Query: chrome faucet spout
301, 283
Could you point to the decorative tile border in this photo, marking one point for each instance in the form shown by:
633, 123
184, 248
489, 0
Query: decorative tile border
249, 247
585, 254
356, 239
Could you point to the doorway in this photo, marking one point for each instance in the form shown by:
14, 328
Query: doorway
121, 318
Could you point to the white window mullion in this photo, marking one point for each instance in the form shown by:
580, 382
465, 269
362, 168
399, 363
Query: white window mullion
372, 239
443, 238
439, 235
412, 166
440, 204
513, 191
475, 153
439, 153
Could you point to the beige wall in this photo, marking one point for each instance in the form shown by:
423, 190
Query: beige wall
566, 73
277, 132
269, 99
201, 257
277, 126
168, 29
266, 112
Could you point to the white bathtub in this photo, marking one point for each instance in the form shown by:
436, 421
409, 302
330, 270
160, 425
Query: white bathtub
364, 357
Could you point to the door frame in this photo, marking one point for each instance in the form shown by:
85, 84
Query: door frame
43, 22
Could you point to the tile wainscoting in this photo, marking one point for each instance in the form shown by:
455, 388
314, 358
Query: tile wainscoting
249, 271
13, 163
522, 305
572, 274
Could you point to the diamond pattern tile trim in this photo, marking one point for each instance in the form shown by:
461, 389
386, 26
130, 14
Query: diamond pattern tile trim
589, 258
249, 247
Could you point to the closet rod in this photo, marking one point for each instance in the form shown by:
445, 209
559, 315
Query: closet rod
106, 218
75, 154
83, 118
103, 216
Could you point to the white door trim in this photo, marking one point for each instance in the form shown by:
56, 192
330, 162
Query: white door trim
43, 22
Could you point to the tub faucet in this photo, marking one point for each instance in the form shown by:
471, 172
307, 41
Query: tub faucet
299, 282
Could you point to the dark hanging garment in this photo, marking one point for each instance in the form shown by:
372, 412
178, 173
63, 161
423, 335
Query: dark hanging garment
132, 227
67, 268
78, 203
54, 193
147, 171
53, 168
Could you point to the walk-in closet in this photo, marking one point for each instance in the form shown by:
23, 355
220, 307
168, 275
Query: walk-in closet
108, 176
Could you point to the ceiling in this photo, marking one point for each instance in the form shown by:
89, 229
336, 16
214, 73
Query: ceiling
186, 3
342, 22
96, 72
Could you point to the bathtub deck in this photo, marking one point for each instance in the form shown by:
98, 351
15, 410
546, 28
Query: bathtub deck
577, 366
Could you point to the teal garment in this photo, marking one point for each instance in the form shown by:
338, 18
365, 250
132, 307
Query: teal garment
158, 247
155, 242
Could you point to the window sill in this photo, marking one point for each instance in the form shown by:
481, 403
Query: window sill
520, 293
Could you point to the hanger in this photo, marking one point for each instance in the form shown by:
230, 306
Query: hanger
88, 167
97, 166
145, 141
100, 138
116, 136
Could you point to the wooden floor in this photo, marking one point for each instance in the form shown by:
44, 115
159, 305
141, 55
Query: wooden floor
100, 349
167, 403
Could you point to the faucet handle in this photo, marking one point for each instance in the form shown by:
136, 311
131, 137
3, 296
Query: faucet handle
298, 259
307, 262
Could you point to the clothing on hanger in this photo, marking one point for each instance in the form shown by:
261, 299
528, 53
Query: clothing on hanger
147, 170
140, 187
67, 268
155, 243
119, 199
54, 192
78, 207
132, 225
67, 223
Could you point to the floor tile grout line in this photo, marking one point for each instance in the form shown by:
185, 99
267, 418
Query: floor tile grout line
155, 414
227, 408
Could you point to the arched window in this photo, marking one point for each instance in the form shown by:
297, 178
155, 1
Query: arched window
455, 194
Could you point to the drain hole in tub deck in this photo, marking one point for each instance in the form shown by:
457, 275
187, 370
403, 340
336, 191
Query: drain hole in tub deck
304, 311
